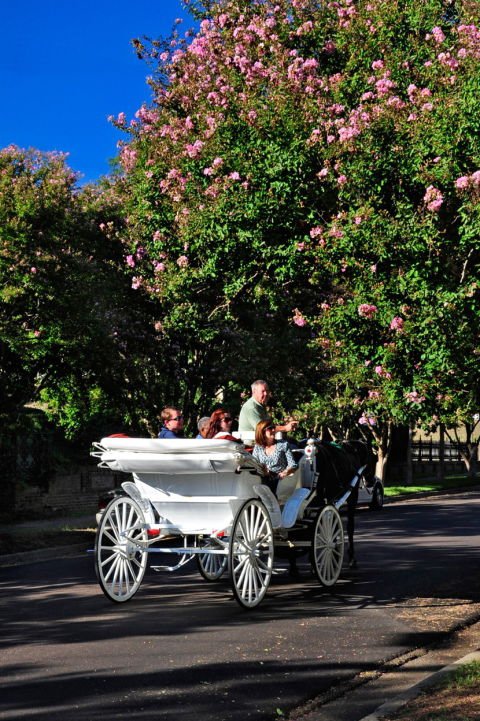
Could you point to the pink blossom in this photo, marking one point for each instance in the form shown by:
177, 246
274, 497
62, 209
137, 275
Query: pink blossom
130, 261
322, 173
136, 283
298, 318
193, 150
301, 246
158, 267
433, 198
379, 370
475, 177
397, 323
414, 397
366, 310
316, 232
342, 179
378, 65
367, 420
234, 175
438, 35
33, 270
462, 182
182, 261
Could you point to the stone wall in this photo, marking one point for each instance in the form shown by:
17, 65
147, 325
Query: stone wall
74, 492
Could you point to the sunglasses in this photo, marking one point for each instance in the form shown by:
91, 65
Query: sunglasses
270, 428
227, 419
176, 418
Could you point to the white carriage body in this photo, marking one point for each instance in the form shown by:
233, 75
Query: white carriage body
196, 486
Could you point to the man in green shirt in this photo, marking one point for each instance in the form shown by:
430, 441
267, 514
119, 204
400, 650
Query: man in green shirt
254, 410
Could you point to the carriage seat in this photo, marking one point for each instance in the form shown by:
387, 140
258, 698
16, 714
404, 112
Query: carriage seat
302, 478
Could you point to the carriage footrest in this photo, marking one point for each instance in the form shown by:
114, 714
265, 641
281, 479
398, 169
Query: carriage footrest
292, 507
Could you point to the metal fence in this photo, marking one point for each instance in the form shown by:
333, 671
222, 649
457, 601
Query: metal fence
429, 451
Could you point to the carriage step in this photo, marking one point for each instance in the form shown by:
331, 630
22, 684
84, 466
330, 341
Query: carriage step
292, 506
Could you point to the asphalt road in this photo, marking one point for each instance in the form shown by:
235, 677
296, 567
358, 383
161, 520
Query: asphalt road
184, 647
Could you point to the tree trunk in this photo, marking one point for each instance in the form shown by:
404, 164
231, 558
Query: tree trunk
441, 455
409, 464
384, 440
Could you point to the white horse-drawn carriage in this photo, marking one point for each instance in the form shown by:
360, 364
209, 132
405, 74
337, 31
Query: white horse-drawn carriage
207, 496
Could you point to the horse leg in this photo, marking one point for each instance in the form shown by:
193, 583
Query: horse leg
292, 560
351, 504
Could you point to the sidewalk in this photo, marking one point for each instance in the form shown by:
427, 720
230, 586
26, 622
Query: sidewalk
381, 693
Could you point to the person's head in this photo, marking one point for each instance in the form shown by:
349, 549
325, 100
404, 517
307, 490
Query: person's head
202, 425
260, 391
172, 418
264, 433
220, 420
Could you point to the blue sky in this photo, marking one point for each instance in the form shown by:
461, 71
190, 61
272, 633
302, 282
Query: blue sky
66, 65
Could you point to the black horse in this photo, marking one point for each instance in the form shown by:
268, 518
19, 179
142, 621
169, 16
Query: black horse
337, 466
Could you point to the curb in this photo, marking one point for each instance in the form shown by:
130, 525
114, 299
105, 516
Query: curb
43, 554
391, 707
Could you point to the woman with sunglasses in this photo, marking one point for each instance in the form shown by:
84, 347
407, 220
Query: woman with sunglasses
221, 426
275, 455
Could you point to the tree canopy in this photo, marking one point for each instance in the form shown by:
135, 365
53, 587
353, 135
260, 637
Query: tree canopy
303, 203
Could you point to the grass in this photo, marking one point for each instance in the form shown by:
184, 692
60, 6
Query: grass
30, 540
456, 698
454, 481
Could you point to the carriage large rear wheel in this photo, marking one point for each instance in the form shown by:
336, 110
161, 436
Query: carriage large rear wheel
251, 553
327, 546
119, 562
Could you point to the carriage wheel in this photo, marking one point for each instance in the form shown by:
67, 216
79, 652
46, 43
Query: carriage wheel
119, 563
251, 553
211, 565
327, 546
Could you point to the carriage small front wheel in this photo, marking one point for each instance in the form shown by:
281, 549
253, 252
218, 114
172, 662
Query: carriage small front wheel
120, 563
212, 566
251, 553
327, 546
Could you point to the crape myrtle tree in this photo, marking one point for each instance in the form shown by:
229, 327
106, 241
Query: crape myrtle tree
70, 326
398, 322
303, 202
